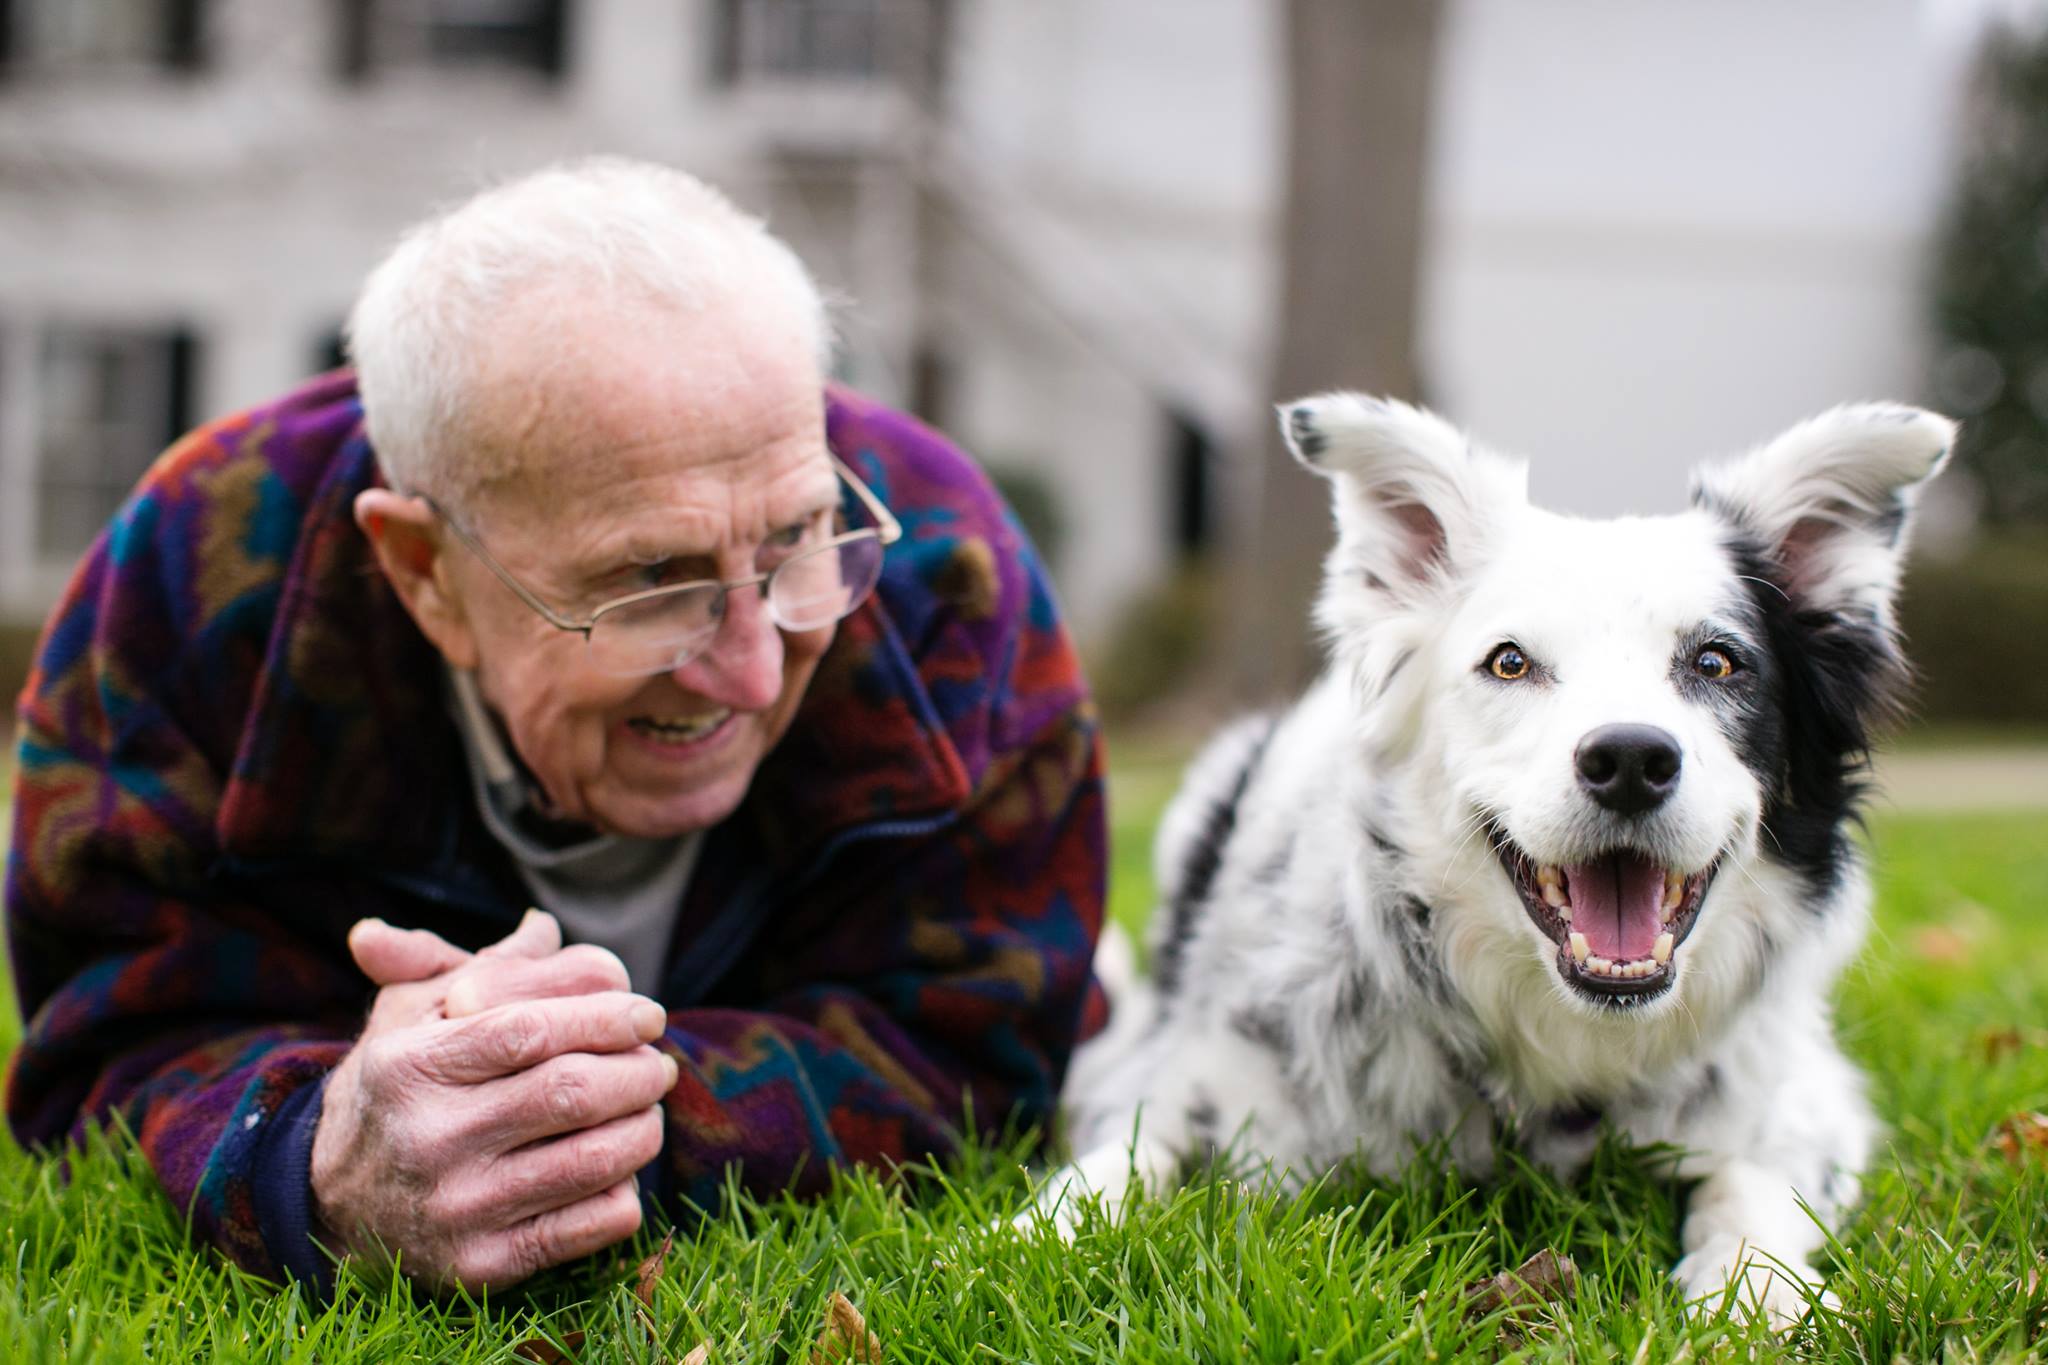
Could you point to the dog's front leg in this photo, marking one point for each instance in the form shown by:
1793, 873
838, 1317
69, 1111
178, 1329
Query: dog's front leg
1786, 1146
1745, 1228
1119, 1172
1192, 1095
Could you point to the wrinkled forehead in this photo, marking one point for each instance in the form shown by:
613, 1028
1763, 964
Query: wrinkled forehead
600, 410
1549, 578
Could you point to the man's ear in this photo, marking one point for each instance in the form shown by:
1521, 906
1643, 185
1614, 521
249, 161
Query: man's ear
1831, 501
405, 535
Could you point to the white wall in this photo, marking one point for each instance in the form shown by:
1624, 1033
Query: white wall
1665, 231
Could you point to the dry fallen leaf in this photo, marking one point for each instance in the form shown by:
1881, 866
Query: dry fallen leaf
700, 1356
1996, 1044
2022, 1136
1546, 1277
846, 1336
1940, 943
546, 1352
650, 1271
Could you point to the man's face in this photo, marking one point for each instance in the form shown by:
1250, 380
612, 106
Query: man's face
646, 448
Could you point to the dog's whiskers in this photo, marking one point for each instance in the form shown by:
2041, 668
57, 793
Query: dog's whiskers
1764, 582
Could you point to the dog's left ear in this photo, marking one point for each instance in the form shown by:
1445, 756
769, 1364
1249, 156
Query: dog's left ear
1831, 500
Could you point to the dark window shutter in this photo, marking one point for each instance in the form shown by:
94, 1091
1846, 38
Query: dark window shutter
183, 36
181, 383
352, 40
725, 42
1193, 460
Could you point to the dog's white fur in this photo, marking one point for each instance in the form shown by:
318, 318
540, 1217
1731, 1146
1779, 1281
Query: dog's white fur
1348, 967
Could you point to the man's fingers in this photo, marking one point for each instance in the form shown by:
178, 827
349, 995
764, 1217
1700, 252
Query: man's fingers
581, 969
556, 1173
520, 1036
570, 1093
538, 935
391, 956
500, 1259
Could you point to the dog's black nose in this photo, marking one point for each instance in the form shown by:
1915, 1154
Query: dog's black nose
1628, 768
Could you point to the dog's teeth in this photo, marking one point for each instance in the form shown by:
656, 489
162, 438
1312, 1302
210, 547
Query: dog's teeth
1564, 911
1599, 964
1661, 949
1674, 891
1553, 894
1580, 948
1550, 875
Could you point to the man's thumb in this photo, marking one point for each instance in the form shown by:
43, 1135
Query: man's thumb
390, 956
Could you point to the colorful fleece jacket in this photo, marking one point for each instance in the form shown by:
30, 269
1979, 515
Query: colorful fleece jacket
233, 746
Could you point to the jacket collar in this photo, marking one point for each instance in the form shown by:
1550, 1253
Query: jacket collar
348, 752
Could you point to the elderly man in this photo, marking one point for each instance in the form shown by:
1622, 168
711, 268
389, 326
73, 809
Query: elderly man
583, 591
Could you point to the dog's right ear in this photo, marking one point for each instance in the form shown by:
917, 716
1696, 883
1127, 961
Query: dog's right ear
1410, 493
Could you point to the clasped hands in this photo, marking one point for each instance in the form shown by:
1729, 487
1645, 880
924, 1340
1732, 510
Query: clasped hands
490, 1118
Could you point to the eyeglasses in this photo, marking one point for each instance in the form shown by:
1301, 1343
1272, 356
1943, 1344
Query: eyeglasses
663, 628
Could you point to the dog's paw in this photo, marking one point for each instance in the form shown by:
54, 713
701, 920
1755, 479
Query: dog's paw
1059, 1207
1728, 1272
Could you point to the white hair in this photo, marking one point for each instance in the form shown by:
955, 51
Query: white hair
623, 230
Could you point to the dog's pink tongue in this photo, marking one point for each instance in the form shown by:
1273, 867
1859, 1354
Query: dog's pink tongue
1617, 903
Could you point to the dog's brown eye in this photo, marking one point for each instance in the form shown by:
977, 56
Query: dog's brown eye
1713, 664
1508, 663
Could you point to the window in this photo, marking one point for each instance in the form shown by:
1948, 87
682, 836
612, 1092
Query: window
1191, 459
111, 399
854, 40
79, 35
330, 350
504, 35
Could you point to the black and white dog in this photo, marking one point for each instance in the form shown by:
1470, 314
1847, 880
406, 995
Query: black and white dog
1560, 839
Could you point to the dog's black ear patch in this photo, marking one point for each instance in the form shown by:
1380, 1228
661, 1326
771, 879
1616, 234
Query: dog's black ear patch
1831, 680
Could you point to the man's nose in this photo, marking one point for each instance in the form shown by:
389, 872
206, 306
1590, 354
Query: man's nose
742, 666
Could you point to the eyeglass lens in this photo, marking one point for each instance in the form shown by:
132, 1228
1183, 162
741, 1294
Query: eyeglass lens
805, 592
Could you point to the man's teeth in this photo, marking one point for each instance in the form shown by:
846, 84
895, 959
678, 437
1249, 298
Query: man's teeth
696, 727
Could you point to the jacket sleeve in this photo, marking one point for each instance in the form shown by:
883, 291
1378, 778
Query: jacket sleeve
151, 997
936, 980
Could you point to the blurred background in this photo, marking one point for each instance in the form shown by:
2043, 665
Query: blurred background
1095, 239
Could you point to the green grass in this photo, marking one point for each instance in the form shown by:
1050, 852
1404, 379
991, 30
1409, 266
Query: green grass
1943, 1260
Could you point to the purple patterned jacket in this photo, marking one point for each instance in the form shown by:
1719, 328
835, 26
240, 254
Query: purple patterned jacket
233, 746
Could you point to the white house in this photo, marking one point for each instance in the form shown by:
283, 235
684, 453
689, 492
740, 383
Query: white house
1657, 230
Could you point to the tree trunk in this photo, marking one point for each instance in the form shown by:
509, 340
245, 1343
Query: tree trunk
1359, 80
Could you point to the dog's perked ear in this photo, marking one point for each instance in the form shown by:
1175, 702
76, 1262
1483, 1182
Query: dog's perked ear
1409, 492
1829, 502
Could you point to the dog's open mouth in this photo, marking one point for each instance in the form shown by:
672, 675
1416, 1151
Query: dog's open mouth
1617, 920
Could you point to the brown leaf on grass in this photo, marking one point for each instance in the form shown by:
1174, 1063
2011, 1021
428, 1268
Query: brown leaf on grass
846, 1337
547, 1353
650, 1271
1996, 1044
1547, 1277
700, 1356
2021, 1137
1940, 943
